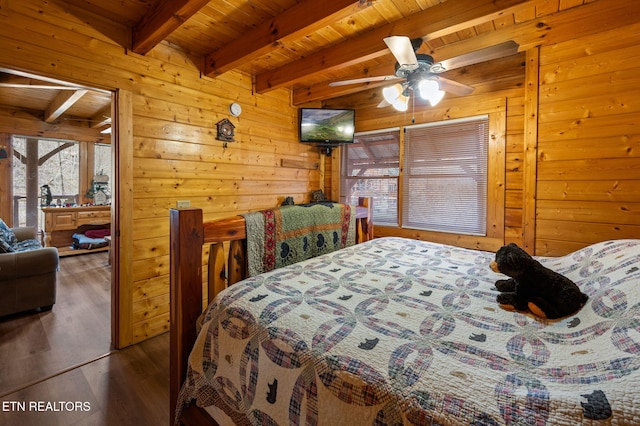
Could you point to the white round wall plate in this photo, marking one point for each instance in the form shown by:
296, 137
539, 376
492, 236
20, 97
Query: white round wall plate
235, 109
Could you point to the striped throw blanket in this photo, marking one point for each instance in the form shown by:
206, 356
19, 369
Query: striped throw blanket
289, 234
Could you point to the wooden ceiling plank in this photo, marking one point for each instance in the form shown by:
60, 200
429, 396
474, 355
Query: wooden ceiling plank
590, 18
61, 103
166, 16
445, 18
308, 16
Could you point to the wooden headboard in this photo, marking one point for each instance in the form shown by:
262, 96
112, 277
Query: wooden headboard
188, 236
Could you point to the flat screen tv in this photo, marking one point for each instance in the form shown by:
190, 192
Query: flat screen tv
324, 125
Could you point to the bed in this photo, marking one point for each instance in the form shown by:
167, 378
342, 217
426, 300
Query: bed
399, 331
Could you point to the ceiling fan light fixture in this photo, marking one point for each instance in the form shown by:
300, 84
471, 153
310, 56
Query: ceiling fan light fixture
391, 93
401, 103
430, 91
427, 88
437, 97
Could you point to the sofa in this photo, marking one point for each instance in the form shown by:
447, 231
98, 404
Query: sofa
28, 271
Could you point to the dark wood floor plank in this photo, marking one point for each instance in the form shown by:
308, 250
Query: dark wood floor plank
34, 346
127, 387
65, 356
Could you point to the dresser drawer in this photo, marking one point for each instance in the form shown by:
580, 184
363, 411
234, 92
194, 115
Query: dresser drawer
95, 217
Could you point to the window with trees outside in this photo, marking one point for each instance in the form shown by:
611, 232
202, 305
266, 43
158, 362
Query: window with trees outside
370, 168
57, 163
444, 175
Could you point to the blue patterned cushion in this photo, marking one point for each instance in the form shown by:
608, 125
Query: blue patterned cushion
5, 247
7, 234
26, 245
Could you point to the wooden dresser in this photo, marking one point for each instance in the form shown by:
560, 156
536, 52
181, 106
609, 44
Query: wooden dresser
60, 223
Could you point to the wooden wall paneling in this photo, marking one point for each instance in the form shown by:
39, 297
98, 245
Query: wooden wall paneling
496, 175
613, 190
583, 233
469, 241
217, 206
122, 223
588, 166
514, 148
604, 147
554, 247
592, 212
326, 175
514, 200
530, 149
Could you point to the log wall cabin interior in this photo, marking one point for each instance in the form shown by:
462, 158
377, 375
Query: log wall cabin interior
563, 163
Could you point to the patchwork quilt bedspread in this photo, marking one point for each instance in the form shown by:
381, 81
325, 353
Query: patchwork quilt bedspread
397, 331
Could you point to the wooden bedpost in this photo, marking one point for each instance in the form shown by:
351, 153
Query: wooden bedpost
365, 225
187, 238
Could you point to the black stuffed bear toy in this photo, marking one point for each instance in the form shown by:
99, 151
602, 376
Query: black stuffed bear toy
543, 292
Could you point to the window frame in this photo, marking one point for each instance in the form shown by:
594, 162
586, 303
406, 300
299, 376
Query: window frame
412, 161
497, 210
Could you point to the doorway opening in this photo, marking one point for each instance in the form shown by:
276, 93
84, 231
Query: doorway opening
59, 159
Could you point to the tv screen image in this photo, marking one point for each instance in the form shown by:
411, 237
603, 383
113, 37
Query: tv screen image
327, 125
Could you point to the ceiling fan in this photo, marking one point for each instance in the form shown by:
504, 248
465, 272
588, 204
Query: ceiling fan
420, 72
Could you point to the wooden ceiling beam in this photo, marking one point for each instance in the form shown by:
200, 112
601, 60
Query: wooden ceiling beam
307, 15
11, 81
101, 119
61, 103
31, 126
437, 21
166, 16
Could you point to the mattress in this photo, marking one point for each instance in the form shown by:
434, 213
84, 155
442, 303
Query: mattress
398, 331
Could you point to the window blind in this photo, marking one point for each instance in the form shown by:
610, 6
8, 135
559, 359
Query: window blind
445, 176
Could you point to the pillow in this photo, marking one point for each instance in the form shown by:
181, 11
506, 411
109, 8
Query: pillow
7, 234
5, 247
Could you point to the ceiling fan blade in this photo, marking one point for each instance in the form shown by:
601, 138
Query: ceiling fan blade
454, 87
501, 50
383, 104
402, 49
363, 80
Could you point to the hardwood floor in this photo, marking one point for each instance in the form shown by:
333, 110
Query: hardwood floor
127, 387
58, 368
